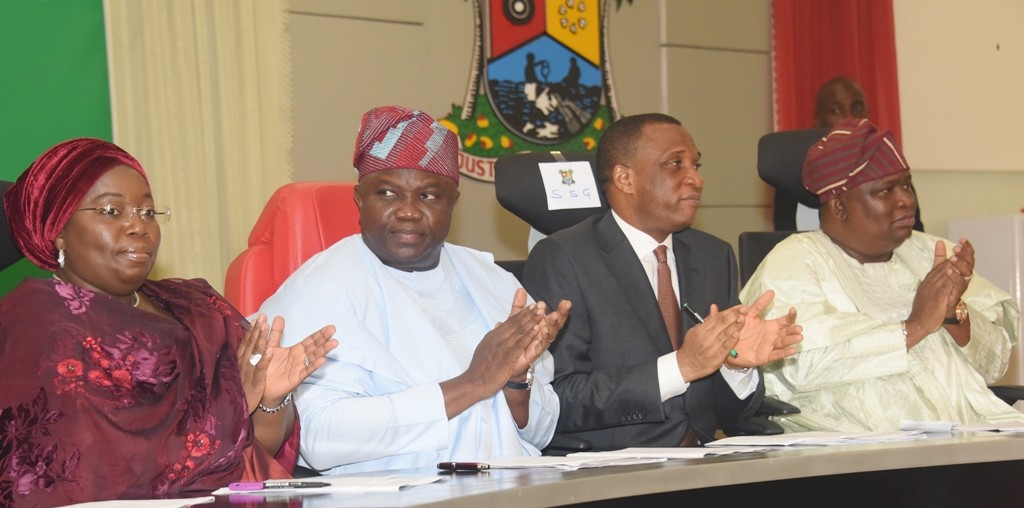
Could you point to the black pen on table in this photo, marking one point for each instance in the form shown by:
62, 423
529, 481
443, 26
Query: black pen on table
462, 466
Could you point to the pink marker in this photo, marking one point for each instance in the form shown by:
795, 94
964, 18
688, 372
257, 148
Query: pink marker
243, 486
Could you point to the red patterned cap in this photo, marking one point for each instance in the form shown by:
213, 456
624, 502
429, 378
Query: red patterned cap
393, 137
853, 152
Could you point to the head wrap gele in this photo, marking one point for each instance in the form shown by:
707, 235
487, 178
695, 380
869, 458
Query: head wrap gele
43, 198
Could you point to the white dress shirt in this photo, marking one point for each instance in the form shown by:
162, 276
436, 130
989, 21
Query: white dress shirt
670, 378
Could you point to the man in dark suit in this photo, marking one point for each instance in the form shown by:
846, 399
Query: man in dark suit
621, 375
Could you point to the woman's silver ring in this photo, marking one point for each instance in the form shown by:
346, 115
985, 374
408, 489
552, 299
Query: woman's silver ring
305, 360
255, 358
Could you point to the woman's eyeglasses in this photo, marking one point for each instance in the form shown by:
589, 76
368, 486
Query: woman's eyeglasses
114, 213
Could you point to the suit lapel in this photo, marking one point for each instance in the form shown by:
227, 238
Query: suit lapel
621, 261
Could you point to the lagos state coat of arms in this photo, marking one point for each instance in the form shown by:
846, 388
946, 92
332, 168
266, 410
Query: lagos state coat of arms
539, 81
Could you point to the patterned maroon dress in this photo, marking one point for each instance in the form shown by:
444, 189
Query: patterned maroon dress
100, 400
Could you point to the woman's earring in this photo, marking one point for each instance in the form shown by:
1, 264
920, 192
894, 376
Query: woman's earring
60, 257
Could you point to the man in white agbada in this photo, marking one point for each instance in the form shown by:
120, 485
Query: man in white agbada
423, 374
897, 326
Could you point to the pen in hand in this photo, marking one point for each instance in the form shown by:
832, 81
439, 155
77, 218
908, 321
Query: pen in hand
276, 485
696, 317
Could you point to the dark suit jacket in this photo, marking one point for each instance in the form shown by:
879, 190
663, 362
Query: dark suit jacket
606, 373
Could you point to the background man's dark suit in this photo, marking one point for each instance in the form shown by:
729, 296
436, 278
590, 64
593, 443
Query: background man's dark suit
606, 373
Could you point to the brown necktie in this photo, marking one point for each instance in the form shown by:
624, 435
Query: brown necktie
666, 297
670, 312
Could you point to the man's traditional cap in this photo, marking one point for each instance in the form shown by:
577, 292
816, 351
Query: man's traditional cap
853, 152
392, 137
41, 202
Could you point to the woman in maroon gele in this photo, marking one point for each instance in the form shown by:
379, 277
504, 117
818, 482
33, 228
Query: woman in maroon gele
120, 387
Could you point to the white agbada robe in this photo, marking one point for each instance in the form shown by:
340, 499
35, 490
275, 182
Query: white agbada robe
853, 371
377, 403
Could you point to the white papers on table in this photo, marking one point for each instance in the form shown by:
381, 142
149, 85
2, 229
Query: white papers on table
946, 426
624, 457
144, 503
998, 427
819, 438
571, 462
668, 453
391, 483
933, 426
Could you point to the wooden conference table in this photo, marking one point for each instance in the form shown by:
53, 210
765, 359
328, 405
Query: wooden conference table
970, 470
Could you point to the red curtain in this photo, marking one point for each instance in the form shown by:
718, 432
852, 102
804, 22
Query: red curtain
814, 41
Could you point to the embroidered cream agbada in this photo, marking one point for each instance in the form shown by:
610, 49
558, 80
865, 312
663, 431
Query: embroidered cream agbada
853, 371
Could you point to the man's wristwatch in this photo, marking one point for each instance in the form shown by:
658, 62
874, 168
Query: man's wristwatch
959, 316
522, 385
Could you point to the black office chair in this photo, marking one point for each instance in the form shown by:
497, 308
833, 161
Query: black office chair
753, 247
520, 189
9, 253
780, 159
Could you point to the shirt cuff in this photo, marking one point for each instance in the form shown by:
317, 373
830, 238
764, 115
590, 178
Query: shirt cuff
742, 383
670, 380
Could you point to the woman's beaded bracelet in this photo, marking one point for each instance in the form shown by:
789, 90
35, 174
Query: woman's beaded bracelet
272, 410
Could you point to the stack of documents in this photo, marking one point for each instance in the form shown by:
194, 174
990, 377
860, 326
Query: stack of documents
572, 462
667, 453
820, 438
944, 426
625, 457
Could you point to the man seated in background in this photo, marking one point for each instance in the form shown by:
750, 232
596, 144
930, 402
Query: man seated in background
630, 369
897, 325
424, 375
839, 99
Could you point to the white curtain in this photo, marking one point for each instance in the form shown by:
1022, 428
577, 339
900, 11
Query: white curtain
201, 95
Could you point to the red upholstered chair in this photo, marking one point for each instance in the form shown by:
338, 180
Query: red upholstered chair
300, 219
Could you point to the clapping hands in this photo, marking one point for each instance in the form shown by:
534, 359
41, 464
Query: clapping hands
762, 341
940, 290
755, 340
505, 353
270, 372
508, 350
